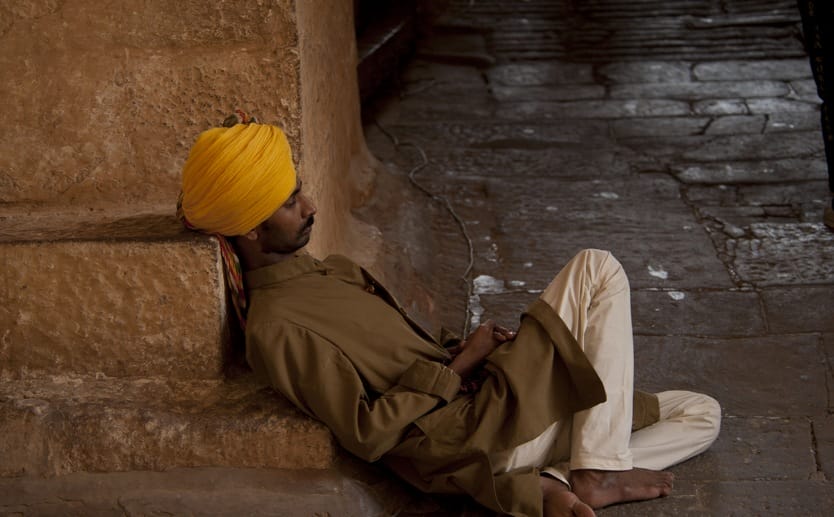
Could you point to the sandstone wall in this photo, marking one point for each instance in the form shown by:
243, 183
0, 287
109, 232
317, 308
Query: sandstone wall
103, 99
336, 162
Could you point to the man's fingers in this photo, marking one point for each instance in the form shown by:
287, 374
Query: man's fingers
504, 333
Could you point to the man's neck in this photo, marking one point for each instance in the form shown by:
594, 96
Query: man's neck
252, 258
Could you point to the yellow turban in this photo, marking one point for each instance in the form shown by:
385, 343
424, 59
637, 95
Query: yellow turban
236, 177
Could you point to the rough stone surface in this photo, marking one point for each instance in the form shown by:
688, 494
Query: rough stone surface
642, 72
778, 122
720, 107
753, 70
779, 254
347, 490
69, 424
593, 109
797, 388
109, 99
738, 124
770, 171
780, 106
700, 91
538, 74
799, 308
661, 126
661, 313
335, 163
121, 308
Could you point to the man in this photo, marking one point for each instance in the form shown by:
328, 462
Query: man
544, 425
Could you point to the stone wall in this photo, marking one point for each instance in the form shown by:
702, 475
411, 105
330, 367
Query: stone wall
103, 100
113, 320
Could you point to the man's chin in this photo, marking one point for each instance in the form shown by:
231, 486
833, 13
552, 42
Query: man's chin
304, 239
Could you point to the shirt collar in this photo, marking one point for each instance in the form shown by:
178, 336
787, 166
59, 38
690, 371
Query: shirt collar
296, 266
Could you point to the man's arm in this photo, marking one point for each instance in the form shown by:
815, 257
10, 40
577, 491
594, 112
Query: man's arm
318, 378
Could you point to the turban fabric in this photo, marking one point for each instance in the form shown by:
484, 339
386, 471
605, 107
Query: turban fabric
236, 177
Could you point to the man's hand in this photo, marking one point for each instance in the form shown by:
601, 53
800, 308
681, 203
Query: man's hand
477, 346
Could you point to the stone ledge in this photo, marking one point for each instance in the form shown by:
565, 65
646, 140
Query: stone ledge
121, 296
349, 489
76, 424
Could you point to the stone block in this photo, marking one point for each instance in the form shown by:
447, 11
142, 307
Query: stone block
491, 134
593, 109
768, 498
736, 124
732, 371
779, 105
70, 424
684, 312
419, 73
802, 121
786, 254
809, 191
646, 72
720, 107
548, 93
804, 308
132, 297
347, 490
110, 98
769, 70
755, 448
770, 171
806, 90
797, 144
700, 90
660, 126
541, 73
545, 159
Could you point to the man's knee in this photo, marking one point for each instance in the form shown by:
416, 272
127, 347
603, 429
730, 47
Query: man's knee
710, 411
602, 265
701, 411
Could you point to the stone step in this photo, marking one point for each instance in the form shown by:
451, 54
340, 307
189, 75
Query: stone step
84, 424
103, 293
366, 491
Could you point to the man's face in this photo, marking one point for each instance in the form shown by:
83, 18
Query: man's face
288, 229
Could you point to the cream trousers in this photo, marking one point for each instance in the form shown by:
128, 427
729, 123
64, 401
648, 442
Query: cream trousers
591, 294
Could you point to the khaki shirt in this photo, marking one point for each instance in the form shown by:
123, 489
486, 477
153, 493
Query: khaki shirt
336, 343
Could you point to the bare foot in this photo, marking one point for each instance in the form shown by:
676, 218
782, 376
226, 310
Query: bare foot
599, 488
559, 501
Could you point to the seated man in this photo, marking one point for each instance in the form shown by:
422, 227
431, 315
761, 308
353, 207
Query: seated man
548, 422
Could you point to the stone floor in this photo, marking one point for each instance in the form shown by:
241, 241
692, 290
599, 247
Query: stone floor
682, 136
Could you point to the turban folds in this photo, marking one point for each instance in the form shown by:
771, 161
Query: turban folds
236, 177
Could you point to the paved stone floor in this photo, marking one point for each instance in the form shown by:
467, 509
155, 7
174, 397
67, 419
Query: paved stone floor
682, 136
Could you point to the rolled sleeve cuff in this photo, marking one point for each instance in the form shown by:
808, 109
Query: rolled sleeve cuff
432, 378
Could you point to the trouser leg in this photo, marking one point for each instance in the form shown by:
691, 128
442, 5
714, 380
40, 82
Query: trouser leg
689, 424
591, 294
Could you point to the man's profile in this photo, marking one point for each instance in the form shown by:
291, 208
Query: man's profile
539, 420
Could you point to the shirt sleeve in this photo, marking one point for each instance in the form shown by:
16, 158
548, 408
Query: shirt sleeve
319, 379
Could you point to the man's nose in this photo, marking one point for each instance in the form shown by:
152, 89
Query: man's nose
309, 207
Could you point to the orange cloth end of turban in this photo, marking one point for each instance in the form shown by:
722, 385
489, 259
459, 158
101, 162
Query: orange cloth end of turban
236, 177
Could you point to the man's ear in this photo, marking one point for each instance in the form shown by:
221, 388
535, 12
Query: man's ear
251, 235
